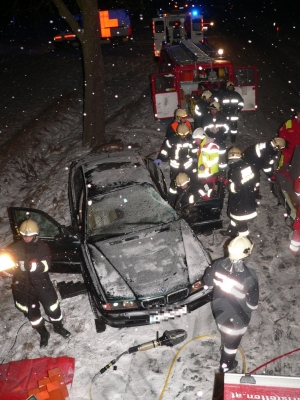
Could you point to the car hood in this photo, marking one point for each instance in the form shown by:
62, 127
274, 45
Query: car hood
150, 262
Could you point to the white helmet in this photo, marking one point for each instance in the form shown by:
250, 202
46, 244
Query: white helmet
229, 83
239, 248
214, 105
199, 133
234, 153
182, 179
278, 143
207, 94
180, 113
183, 129
29, 228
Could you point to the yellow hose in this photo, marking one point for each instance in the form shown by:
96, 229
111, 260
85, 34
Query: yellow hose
182, 347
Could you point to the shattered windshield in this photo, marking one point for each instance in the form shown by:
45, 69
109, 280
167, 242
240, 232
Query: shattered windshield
127, 210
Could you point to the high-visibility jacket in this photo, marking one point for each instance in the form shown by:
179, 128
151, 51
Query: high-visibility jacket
208, 158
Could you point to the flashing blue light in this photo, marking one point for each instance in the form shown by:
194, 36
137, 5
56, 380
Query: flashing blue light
194, 13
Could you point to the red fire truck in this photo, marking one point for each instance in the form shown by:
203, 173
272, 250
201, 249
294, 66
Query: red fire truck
187, 69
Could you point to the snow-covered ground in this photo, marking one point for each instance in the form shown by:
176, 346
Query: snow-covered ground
41, 128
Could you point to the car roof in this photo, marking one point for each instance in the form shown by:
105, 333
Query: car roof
106, 172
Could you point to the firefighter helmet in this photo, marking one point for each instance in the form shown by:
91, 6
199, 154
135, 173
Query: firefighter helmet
214, 106
239, 248
234, 154
207, 95
183, 129
180, 113
296, 185
29, 228
199, 133
278, 143
229, 83
182, 179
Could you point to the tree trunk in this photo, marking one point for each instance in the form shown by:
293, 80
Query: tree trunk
93, 115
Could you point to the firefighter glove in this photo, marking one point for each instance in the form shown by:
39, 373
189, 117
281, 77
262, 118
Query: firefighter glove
158, 161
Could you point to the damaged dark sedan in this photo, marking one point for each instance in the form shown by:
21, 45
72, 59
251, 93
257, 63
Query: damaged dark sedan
141, 263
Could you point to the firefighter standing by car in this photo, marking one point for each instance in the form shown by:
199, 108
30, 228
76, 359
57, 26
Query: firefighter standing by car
180, 116
179, 150
241, 200
261, 156
31, 283
214, 125
235, 297
231, 104
290, 132
201, 108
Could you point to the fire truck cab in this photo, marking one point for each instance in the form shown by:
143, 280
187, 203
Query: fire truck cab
170, 28
187, 69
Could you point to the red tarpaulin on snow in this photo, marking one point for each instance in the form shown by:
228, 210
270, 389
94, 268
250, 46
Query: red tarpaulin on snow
263, 387
17, 377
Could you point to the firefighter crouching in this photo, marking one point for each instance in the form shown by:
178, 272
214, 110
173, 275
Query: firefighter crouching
241, 200
31, 284
179, 150
189, 193
235, 296
261, 156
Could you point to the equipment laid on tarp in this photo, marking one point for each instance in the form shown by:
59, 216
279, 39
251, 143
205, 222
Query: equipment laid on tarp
19, 377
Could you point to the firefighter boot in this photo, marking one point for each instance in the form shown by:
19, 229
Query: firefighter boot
233, 138
58, 328
44, 334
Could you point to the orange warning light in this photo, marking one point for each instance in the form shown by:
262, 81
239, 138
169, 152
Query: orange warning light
106, 23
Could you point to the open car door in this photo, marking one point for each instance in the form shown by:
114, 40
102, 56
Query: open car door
64, 245
245, 80
164, 96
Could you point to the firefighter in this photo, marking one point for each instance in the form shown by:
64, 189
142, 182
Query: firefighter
179, 150
241, 199
290, 132
180, 116
235, 296
189, 193
182, 182
201, 108
31, 285
207, 158
231, 104
214, 125
261, 156
295, 236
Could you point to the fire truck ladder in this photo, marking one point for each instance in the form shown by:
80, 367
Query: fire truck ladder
196, 54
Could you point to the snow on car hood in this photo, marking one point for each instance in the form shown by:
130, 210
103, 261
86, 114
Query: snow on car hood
149, 262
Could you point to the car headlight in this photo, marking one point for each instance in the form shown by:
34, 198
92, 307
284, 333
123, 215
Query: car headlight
196, 287
120, 305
